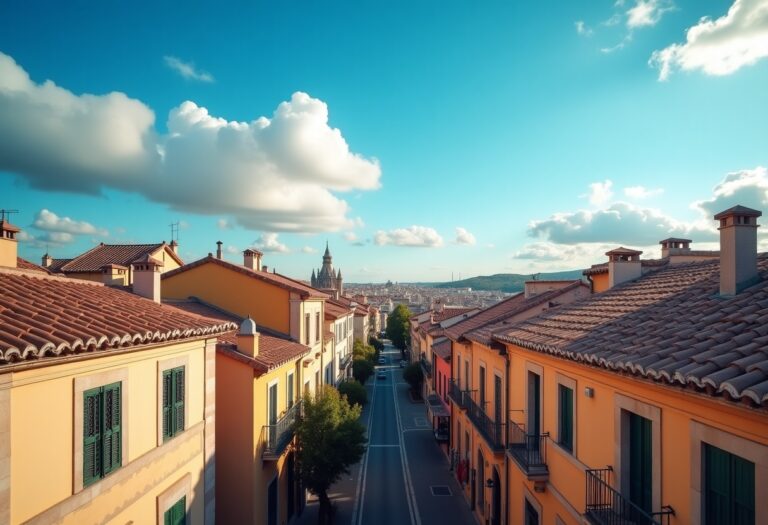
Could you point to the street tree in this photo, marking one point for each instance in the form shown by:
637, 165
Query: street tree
398, 327
330, 440
414, 376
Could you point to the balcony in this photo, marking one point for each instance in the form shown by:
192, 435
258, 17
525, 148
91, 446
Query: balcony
490, 429
345, 361
426, 365
276, 437
529, 451
606, 506
456, 394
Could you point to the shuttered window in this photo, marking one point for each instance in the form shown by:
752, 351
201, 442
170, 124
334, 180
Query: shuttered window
565, 434
177, 514
102, 432
729, 483
173, 402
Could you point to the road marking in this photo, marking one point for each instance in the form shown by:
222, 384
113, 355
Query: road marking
357, 508
383, 446
410, 494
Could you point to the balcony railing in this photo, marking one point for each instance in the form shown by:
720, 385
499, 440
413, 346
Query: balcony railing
529, 451
276, 437
490, 430
345, 361
426, 365
606, 506
457, 394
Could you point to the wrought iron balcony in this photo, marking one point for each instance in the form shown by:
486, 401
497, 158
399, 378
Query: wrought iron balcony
491, 430
606, 506
457, 395
276, 437
529, 451
426, 365
346, 361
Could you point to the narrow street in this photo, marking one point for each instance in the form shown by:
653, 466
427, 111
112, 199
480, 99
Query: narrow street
393, 484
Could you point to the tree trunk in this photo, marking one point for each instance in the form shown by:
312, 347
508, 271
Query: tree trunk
325, 511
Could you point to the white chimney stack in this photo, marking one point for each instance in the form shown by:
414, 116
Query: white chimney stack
146, 277
738, 248
252, 259
674, 246
248, 338
218, 249
623, 265
8, 244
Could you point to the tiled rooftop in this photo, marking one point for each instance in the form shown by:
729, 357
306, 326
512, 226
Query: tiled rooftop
272, 278
94, 259
28, 265
670, 326
442, 348
43, 316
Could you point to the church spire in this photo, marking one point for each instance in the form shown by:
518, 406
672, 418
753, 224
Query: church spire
327, 251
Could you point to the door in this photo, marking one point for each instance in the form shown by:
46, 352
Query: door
640, 462
531, 514
272, 415
496, 499
272, 503
497, 409
481, 388
481, 482
534, 410
290, 465
729, 488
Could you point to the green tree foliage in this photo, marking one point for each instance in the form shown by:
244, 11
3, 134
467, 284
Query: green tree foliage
362, 369
354, 391
363, 351
398, 327
376, 343
414, 376
330, 439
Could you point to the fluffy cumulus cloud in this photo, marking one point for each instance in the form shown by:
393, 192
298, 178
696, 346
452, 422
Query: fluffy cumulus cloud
551, 252
187, 69
49, 221
464, 237
600, 192
641, 192
745, 187
268, 242
278, 174
46, 240
721, 46
413, 236
308, 249
646, 13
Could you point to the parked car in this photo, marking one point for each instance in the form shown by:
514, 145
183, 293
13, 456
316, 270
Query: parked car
381, 375
382, 361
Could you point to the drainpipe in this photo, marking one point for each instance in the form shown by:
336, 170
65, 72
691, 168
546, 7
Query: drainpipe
505, 496
591, 284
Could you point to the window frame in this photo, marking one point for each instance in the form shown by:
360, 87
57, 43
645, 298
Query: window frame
162, 367
171, 496
567, 382
307, 328
81, 385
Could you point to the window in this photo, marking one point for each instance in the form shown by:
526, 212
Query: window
729, 488
102, 439
317, 326
306, 329
289, 391
177, 514
565, 423
173, 402
481, 387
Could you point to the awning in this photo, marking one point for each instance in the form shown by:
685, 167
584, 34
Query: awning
436, 406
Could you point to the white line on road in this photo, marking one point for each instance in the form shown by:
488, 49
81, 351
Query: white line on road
357, 508
409, 492
383, 446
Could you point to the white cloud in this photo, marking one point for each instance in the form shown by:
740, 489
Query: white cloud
233, 250
268, 242
600, 192
746, 187
547, 251
647, 12
413, 236
350, 236
582, 28
46, 240
187, 69
641, 192
308, 249
224, 224
490, 246
722, 46
464, 237
50, 222
276, 174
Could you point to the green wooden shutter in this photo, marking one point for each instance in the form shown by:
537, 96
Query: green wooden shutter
167, 405
566, 417
91, 436
640, 462
729, 486
178, 400
177, 514
743, 491
112, 443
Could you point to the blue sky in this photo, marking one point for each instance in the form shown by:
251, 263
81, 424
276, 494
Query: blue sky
547, 132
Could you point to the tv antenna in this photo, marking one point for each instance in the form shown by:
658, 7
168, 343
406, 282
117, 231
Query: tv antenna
6, 214
174, 231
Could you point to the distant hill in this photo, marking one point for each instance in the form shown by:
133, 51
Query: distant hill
507, 282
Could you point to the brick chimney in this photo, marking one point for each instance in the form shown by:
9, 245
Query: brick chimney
218, 249
9, 249
674, 246
252, 259
248, 338
623, 265
146, 277
738, 249
174, 246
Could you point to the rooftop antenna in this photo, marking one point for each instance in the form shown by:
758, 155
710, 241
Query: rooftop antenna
535, 277
6, 214
174, 231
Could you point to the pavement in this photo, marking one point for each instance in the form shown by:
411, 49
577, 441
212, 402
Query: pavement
392, 484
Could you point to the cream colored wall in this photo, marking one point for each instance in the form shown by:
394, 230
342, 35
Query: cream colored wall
8, 252
169, 263
42, 428
87, 276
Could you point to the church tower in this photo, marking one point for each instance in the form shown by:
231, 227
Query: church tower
326, 279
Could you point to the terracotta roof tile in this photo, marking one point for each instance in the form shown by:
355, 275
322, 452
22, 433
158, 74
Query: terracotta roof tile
96, 258
44, 316
671, 325
442, 348
27, 265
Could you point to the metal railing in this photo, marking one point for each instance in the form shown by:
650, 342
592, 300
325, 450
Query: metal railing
426, 365
276, 437
457, 394
346, 361
490, 429
607, 506
529, 450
